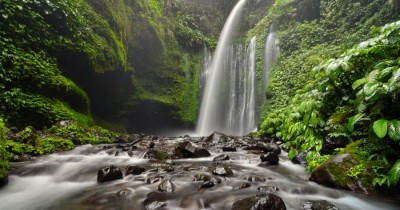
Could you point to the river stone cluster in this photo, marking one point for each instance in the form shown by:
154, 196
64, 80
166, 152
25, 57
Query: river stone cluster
164, 168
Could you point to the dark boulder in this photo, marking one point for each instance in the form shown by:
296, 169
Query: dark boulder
109, 173
187, 150
229, 148
155, 201
254, 179
134, 170
265, 147
207, 178
300, 158
317, 205
222, 171
156, 154
272, 147
260, 202
166, 186
221, 158
216, 138
331, 143
271, 158
333, 174
207, 184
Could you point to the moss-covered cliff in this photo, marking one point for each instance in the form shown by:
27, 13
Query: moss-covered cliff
109, 59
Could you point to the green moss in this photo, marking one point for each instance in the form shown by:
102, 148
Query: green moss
53, 144
4, 166
82, 134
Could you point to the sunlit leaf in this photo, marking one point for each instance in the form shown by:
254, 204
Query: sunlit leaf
380, 128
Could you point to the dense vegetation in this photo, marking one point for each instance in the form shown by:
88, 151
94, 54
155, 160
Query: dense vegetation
134, 65
80, 60
349, 104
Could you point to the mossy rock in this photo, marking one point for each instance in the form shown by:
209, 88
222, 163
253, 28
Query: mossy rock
333, 174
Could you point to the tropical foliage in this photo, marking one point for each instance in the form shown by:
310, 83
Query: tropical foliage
347, 98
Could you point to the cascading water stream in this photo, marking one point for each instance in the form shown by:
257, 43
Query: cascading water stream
213, 111
271, 54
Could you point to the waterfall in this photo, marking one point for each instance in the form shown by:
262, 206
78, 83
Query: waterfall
271, 54
213, 116
229, 102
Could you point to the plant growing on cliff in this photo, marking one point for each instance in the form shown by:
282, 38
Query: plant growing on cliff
359, 91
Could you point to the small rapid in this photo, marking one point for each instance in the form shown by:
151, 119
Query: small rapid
68, 180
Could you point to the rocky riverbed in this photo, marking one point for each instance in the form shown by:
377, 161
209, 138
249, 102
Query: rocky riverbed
216, 172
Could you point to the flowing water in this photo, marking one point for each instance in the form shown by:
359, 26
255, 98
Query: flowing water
271, 54
67, 181
213, 110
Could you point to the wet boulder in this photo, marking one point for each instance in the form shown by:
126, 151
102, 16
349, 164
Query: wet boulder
270, 158
207, 184
166, 186
333, 174
187, 150
207, 178
216, 138
260, 202
265, 147
222, 171
156, 154
109, 173
272, 147
229, 148
317, 205
300, 158
134, 170
221, 158
155, 201
254, 179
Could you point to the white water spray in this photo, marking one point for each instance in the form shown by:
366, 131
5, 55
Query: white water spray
213, 113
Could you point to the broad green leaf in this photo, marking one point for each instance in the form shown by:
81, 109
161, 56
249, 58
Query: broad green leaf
370, 88
394, 130
393, 82
394, 174
385, 64
353, 120
358, 83
384, 72
380, 128
372, 76
380, 91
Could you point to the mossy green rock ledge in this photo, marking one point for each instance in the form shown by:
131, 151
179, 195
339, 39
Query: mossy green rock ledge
332, 173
